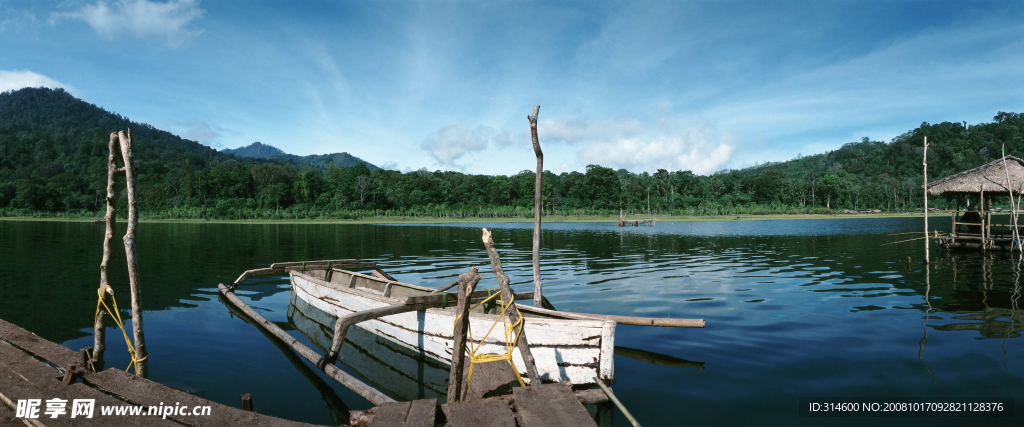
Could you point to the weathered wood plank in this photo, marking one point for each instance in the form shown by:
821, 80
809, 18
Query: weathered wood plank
36, 345
480, 413
419, 413
422, 413
24, 377
391, 414
490, 379
550, 405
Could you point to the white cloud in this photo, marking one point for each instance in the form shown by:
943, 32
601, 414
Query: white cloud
142, 18
578, 130
699, 149
15, 20
450, 143
18, 79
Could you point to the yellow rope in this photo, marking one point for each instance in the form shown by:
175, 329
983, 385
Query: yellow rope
511, 338
116, 315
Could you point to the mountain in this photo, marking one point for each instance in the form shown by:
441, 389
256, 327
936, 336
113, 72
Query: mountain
257, 150
260, 150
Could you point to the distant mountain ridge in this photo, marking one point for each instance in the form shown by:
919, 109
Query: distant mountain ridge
259, 150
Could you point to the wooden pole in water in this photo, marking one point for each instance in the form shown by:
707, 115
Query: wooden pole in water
513, 315
537, 285
141, 364
925, 163
467, 281
99, 346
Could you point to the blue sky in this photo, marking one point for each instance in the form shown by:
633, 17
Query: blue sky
701, 86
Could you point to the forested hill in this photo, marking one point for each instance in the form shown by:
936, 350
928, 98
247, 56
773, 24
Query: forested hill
53, 150
260, 150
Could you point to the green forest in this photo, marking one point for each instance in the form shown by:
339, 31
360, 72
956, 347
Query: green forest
53, 151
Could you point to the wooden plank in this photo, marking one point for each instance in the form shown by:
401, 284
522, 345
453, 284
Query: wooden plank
422, 413
390, 414
475, 297
480, 413
491, 379
419, 413
647, 321
24, 377
550, 405
36, 345
144, 392
7, 416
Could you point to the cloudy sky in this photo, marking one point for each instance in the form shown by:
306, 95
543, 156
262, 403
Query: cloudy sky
701, 86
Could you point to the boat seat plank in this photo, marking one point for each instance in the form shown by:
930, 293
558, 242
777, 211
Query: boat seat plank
480, 413
419, 413
550, 405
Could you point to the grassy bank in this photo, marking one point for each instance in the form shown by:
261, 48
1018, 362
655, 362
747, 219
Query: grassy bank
430, 220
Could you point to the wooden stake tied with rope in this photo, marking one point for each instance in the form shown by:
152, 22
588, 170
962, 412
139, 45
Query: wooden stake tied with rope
510, 310
467, 281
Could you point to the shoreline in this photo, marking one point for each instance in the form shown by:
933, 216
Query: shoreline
547, 219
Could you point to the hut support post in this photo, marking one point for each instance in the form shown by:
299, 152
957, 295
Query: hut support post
513, 314
984, 238
925, 164
141, 364
537, 200
1014, 234
467, 281
99, 346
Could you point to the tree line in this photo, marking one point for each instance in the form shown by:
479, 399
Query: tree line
53, 151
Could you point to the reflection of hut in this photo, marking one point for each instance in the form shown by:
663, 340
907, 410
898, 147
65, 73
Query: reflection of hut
975, 228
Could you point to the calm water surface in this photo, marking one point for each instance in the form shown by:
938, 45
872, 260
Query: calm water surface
794, 308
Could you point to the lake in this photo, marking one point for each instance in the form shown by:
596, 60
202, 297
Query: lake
794, 308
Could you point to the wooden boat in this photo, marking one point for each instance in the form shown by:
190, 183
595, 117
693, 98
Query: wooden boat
402, 334
568, 347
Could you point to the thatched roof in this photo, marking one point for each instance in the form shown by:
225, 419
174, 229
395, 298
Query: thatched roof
989, 176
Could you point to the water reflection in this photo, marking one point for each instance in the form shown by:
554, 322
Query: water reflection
821, 305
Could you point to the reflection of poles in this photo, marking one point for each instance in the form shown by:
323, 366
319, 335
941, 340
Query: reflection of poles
927, 316
1013, 307
338, 409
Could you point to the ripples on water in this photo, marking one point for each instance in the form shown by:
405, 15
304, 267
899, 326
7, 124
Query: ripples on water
794, 308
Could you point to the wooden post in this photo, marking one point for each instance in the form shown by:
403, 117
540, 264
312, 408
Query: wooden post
1014, 234
981, 214
537, 285
100, 325
513, 315
141, 364
925, 163
467, 281
247, 401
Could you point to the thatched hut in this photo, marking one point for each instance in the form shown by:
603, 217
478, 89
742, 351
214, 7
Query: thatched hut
975, 228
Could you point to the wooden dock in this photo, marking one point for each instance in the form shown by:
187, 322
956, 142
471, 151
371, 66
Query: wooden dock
27, 371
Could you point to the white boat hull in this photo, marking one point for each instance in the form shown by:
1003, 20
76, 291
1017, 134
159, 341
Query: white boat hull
573, 350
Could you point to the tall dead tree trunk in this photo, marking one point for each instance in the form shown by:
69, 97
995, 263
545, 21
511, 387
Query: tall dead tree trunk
925, 163
141, 364
99, 346
537, 285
